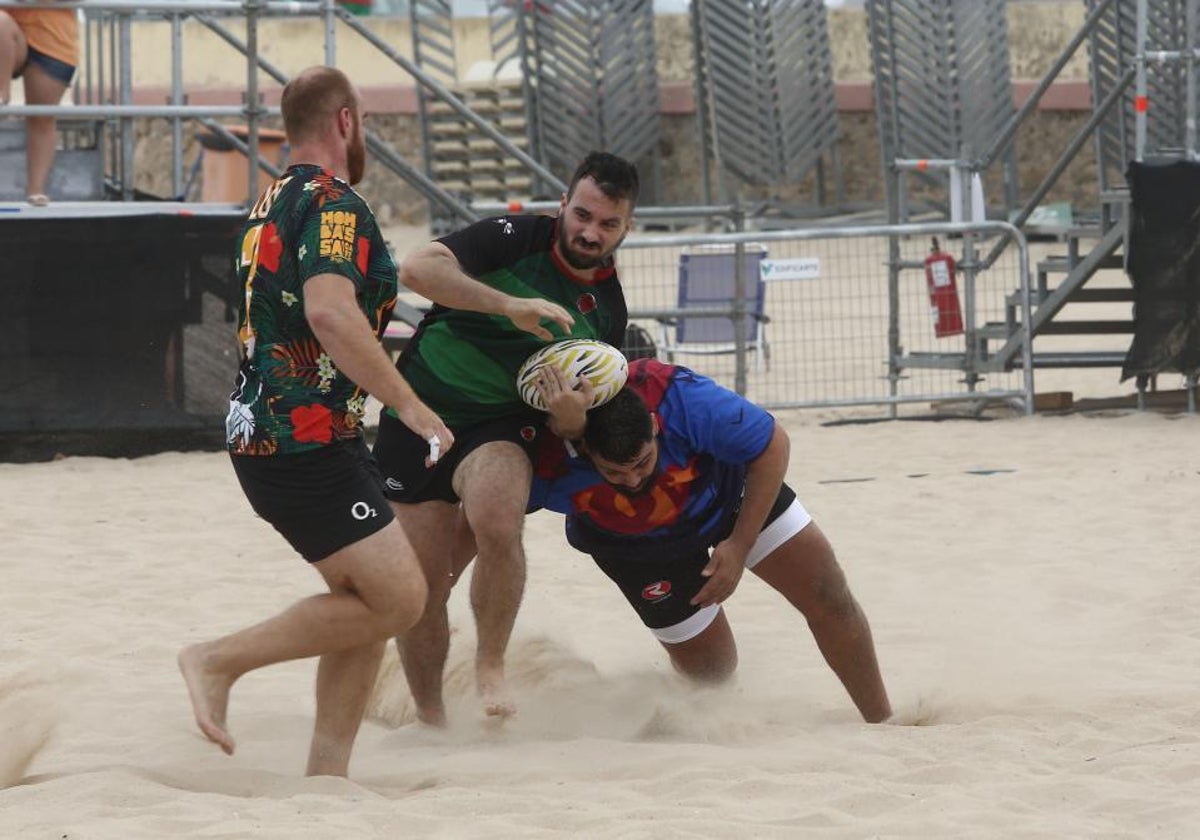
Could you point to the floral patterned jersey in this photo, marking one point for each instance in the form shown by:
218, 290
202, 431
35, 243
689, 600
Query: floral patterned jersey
289, 396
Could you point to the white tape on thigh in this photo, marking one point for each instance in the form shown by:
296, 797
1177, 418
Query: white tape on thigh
689, 628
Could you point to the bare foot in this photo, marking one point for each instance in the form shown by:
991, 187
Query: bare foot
434, 716
209, 692
493, 692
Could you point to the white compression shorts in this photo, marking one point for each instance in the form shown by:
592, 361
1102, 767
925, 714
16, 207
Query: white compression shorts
789, 523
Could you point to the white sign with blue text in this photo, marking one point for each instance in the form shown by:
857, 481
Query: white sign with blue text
801, 268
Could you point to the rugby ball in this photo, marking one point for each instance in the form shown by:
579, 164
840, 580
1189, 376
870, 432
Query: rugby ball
602, 364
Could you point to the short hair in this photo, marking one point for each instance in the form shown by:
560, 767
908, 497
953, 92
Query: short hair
618, 430
311, 99
616, 177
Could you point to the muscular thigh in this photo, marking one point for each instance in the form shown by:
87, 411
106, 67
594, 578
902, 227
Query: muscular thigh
496, 475
493, 483
376, 568
804, 569
401, 453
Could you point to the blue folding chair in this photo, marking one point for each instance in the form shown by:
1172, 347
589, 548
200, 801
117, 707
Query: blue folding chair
707, 278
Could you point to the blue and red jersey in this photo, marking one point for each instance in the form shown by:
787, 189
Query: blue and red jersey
706, 436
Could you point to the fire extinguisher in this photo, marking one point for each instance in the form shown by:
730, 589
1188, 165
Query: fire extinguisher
943, 293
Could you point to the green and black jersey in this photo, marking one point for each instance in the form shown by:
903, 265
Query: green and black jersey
289, 395
464, 364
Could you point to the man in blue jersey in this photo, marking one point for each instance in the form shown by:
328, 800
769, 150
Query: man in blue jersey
677, 486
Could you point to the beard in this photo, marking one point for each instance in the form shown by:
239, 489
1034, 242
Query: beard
356, 155
578, 255
642, 489
633, 492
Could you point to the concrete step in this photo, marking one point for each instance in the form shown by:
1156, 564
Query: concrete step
78, 175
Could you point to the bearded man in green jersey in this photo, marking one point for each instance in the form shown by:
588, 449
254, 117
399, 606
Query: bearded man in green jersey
462, 361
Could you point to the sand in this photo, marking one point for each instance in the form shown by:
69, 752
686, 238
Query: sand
1030, 581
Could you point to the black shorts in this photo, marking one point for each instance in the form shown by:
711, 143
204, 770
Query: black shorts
55, 68
660, 587
321, 500
401, 452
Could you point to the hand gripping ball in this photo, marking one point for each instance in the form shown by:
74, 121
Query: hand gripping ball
602, 364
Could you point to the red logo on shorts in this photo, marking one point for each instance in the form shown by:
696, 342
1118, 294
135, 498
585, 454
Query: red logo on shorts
528, 433
586, 303
655, 592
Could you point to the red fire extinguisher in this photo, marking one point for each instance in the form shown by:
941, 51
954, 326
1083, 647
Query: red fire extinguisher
943, 293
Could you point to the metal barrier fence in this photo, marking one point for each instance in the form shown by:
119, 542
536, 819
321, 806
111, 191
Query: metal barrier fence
841, 330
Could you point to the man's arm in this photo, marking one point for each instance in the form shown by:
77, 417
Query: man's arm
332, 311
433, 272
764, 477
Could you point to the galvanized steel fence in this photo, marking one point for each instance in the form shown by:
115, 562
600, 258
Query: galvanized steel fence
840, 331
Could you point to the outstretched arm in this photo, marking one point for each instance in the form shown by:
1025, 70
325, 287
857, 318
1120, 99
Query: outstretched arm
764, 477
433, 272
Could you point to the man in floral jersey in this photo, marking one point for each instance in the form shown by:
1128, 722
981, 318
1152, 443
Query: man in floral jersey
318, 289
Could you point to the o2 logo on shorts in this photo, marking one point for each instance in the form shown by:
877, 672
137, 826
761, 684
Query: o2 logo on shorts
362, 510
656, 592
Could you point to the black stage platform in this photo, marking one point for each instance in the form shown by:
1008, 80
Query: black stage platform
116, 333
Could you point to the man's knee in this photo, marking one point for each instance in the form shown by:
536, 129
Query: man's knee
402, 601
831, 598
438, 587
709, 657
496, 514
713, 670
383, 572
498, 532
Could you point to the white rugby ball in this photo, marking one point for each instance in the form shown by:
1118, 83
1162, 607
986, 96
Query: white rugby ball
602, 364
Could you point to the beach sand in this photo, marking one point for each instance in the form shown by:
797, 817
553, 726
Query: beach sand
1031, 585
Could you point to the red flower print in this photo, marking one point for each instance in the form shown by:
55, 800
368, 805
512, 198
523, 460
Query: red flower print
270, 246
312, 423
363, 254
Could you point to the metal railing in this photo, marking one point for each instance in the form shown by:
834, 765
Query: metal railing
848, 332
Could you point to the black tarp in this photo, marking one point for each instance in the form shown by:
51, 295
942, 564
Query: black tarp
91, 325
1164, 268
